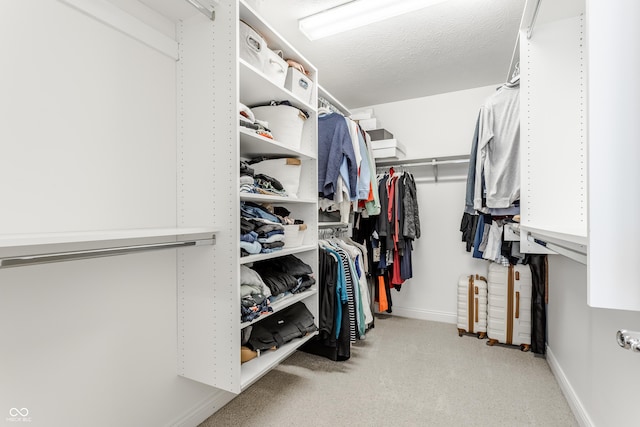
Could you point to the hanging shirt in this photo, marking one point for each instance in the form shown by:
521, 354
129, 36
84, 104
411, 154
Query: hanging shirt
334, 145
499, 150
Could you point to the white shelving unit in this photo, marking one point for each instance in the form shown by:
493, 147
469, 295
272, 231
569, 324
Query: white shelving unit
578, 153
212, 145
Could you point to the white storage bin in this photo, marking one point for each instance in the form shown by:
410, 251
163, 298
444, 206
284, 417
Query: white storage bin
299, 84
287, 171
294, 235
388, 148
368, 124
285, 122
275, 68
252, 46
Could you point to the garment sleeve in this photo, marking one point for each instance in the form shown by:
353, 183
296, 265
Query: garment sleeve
485, 135
364, 174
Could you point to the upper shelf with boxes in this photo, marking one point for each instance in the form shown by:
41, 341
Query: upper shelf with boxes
384, 145
264, 58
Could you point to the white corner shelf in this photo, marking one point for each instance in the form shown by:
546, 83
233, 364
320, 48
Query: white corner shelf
254, 145
286, 251
283, 303
22, 249
254, 369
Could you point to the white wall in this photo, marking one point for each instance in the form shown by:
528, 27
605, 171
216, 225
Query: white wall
440, 125
89, 143
598, 377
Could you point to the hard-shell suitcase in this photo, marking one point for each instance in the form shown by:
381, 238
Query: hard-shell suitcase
472, 305
509, 320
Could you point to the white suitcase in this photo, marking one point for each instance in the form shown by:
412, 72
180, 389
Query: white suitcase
509, 320
472, 305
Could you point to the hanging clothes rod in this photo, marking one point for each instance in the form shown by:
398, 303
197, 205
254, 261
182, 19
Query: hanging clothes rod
433, 162
322, 102
533, 19
205, 7
19, 261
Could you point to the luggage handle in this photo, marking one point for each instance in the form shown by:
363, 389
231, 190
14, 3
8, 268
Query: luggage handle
303, 84
517, 305
477, 320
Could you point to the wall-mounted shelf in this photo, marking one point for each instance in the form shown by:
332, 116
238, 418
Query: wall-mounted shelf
254, 145
254, 369
286, 251
24, 249
433, 162
264, 198
258, 89
281, 304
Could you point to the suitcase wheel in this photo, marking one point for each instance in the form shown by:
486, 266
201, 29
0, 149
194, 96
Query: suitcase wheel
460, 332
525, 347
482, 335
492, 342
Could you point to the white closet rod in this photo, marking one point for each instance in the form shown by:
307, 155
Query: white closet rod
322, 102
533, 19
434, 162
206, 11
96, 253
122, 21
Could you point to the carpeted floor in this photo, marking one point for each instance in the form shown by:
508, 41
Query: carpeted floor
406, 373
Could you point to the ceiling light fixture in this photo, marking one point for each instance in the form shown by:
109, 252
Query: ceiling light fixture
355, 14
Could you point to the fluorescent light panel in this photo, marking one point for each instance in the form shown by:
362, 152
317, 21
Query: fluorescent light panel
357, 14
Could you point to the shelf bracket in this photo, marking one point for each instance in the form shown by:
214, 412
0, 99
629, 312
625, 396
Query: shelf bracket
205, 7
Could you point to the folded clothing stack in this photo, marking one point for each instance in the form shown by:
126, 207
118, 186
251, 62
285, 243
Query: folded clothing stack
250, 182
248, 120
254, 294
262, 228
285, 274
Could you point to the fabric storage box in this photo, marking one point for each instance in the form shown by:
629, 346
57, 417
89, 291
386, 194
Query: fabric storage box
379, 134
285, 122
294, 235
299, 84
368, 124
252, 46
388, 148
287, 171
275, 68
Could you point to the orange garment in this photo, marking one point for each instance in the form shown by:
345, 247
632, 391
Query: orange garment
383, 304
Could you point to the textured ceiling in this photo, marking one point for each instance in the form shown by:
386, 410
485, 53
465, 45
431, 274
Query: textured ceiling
455, 45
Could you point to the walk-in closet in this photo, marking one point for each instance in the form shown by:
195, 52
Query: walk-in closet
323, 213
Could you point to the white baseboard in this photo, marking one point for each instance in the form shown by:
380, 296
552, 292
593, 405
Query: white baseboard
436, 316
203, 410
569, 393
